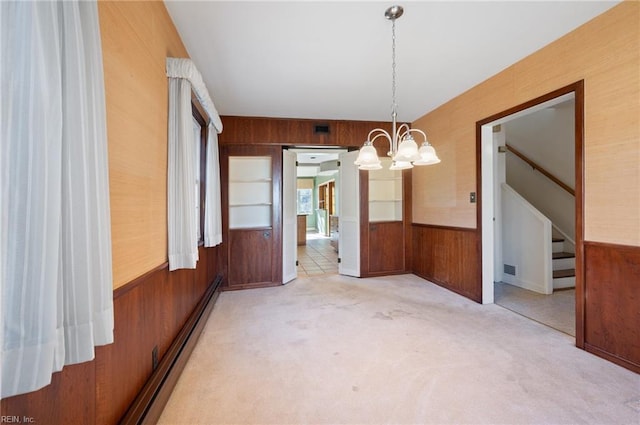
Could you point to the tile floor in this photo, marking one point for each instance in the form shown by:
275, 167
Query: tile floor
317, 257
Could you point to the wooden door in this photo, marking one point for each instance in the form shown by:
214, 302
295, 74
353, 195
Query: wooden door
252, 217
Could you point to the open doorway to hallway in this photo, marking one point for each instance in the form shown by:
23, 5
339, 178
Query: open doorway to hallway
318, 221
317, 256
531, 206
535, 183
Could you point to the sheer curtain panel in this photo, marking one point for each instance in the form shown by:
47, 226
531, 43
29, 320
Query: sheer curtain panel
213, 209
181, 176
56, 279
182, 168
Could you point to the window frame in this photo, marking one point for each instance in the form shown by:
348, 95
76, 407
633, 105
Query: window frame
198, 115
298, 210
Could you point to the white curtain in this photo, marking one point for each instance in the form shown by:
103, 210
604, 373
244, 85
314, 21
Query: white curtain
56, 278
185, 68
213, 209
182, 168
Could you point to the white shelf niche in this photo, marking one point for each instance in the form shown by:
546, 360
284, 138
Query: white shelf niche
385, 193
250, 192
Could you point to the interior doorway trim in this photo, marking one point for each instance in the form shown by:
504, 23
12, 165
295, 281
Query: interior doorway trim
484, 179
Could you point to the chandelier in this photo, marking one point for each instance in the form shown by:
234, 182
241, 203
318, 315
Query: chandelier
403, 149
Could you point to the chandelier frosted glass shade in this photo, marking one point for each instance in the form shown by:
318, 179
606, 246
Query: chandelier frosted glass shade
427, 155
368, 158
408, 150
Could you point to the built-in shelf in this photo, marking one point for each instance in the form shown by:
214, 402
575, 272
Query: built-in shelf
250, 192
385, 193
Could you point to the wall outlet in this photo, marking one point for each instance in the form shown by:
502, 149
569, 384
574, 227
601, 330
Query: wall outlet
154, 358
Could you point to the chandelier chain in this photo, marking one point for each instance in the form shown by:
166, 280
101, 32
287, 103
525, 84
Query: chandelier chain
393, 67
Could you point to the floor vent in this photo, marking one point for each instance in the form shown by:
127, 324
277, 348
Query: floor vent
509, 269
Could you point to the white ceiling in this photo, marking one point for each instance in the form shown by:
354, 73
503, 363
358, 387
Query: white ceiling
309, 160
332, 60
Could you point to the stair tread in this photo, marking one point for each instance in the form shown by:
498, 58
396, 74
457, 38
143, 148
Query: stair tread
557, 255
557, 239
557, 274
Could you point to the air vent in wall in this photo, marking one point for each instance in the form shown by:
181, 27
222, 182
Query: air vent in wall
509, 269
321, 129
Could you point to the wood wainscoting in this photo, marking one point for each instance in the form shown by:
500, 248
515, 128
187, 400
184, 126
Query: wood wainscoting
291, 132
149, 311
612, 303
382, 253
449, 257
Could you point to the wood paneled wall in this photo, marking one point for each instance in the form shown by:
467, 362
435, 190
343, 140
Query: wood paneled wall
449, 257
612, 303
137, 37
292, 132
383, 253
149, 311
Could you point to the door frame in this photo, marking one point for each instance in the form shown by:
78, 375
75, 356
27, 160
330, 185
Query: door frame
485, 209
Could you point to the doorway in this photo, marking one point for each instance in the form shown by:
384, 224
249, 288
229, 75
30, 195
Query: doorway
495, 256
317, 257
318, 183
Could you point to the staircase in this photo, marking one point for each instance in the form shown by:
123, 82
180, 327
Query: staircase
564, 265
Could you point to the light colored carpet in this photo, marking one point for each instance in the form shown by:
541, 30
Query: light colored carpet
557, 310
339, 350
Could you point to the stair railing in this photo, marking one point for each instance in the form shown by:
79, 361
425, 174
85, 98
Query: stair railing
541, 169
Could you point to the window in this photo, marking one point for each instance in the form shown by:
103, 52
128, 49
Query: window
189, 225
200, 140
305, 201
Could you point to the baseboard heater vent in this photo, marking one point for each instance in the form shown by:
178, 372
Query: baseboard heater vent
148, 405
509, 269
